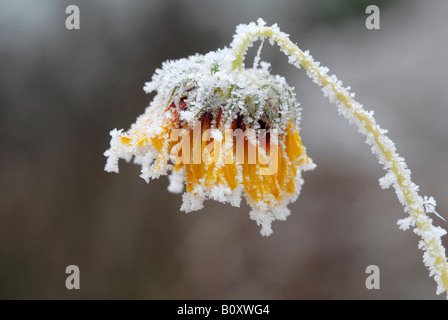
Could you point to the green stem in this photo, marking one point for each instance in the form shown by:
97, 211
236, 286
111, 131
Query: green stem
352, 110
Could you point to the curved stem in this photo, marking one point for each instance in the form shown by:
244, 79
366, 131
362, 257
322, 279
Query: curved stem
398, 175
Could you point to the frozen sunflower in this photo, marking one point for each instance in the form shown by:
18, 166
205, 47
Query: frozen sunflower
220, 133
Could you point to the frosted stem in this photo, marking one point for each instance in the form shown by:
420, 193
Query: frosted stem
397, 173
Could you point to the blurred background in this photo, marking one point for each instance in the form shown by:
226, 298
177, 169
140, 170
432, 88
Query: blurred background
62, 91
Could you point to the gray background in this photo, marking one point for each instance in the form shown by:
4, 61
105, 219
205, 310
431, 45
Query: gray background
62, 91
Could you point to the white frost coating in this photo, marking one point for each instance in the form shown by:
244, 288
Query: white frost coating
257, 57
216, 135
405, 223
113, 154
388, 180
430, 206
192, 202
176, 181
264, 219
281, 213
220, 193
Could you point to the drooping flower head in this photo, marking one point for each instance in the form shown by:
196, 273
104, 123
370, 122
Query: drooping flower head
222, 133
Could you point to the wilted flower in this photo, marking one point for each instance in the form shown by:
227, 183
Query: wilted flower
222, 132
239, 135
